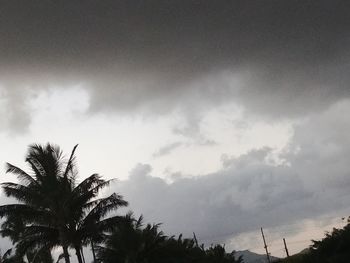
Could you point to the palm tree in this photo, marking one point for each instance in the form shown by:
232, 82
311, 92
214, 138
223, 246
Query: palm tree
218, 254
14, 229
130, 242
56, 211
184, 250
87, 215
9, 257
39, 197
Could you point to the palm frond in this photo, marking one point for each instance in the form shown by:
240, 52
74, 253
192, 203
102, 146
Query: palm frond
38, 170
87, 190
7, 253
22, 193
21, 175
105, 205
70, 163
92, 184
46, 159
26, 212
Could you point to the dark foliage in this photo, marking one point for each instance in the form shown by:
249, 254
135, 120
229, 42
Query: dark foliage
132, 242
54, 210
333, 248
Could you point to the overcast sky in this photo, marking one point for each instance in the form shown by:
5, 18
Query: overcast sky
217, 117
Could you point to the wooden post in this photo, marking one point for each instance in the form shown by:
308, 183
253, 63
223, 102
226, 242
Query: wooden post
265, 246
285, 247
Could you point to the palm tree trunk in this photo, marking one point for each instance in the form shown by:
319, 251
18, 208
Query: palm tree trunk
93, 251
66, 254
78, 253
82, 254
64, 244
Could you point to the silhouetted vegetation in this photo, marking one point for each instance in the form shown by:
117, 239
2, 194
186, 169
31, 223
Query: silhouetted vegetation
54, 210
333, 248
130, 241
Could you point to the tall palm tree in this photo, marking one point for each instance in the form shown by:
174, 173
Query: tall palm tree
39, 194
54, 208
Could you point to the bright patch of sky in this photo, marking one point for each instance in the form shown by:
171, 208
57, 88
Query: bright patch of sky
113, 144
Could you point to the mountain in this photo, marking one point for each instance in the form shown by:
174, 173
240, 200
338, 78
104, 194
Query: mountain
251, 257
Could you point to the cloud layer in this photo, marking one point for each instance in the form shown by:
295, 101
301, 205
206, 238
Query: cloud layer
278, 58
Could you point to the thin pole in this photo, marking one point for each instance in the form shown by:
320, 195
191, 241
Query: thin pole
285, 247
265, 246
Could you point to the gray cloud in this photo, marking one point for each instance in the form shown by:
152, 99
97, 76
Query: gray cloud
274, 57
167, 149
229, 201
14, 113
248, 192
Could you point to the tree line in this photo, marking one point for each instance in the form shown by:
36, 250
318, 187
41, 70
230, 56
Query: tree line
54, 210
333, 248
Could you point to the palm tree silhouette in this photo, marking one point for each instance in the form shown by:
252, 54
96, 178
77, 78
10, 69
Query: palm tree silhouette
55, 210
87, 215
14, 228
9, 257
130, 242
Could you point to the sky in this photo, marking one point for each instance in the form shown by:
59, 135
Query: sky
216, 117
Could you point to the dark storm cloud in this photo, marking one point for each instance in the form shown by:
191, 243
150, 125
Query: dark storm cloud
285, 56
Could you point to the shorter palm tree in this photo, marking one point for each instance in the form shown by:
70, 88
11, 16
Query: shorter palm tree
218, 254
130, 242
15, 229
87, 215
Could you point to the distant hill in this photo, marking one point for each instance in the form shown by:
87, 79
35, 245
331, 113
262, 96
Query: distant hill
304, 251
251, 257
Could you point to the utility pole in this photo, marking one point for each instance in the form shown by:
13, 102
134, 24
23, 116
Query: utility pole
265, 246
285, 247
